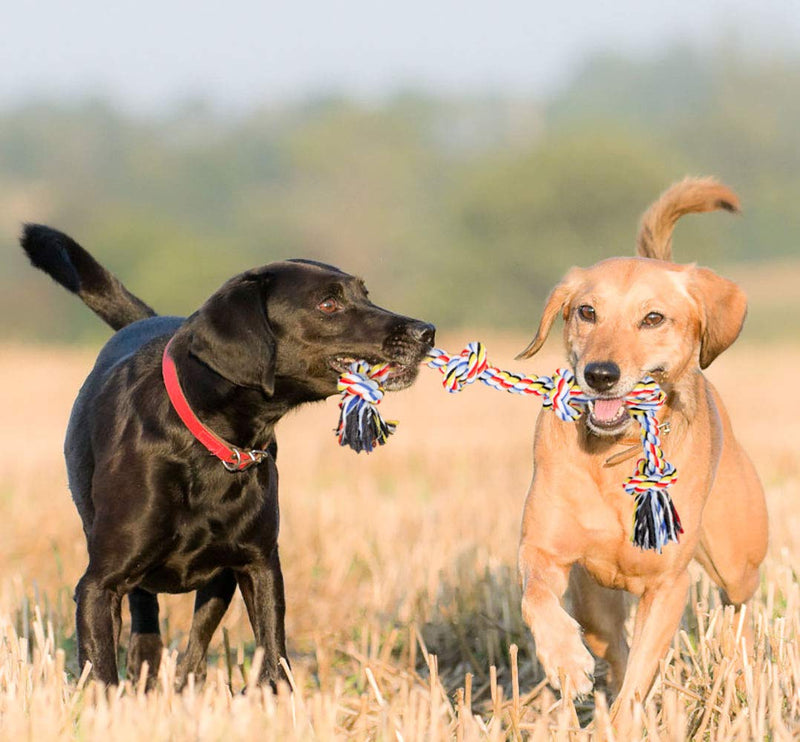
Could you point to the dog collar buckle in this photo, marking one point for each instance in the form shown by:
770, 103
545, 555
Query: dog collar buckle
243, 459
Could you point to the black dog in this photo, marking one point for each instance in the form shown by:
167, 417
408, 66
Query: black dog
159, 512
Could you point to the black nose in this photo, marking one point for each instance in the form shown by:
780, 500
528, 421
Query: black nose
601, 376
422, 332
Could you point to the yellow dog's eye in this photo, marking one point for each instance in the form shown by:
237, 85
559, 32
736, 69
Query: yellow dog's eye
586, 313
329, 305
653, 319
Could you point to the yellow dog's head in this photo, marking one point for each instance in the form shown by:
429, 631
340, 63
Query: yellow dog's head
627, 318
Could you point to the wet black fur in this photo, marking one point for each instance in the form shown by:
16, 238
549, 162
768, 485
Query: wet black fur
159, 512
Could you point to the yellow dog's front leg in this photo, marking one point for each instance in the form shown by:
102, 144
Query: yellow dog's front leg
559, 645
658, 617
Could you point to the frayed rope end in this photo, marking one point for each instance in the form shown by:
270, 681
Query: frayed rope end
655, 520
361, 426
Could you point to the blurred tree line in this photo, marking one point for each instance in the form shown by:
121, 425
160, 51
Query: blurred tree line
464, 211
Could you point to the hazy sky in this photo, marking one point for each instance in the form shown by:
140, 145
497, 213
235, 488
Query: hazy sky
145, 54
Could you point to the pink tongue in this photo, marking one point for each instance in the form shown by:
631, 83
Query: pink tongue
606, 409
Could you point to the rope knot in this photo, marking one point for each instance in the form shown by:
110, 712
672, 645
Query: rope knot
360, 424
564, 395
646, 397
364, 381
647, 478
462, 369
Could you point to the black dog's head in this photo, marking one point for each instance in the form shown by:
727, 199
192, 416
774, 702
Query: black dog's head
302, 323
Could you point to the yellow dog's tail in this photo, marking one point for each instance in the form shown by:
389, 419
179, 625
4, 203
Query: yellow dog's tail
691, 195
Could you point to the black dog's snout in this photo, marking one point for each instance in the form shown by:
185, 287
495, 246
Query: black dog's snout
601, 376
423, 332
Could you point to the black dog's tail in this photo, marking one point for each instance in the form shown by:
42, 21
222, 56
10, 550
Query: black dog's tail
67, 263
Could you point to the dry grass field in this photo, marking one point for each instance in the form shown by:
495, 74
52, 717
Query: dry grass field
403, 604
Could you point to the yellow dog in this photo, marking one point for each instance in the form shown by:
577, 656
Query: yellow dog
626, 318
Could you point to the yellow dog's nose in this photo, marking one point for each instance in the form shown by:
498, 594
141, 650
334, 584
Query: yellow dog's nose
601, 376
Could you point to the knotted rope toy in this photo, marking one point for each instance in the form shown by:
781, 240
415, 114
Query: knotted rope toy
360, 424
655, 519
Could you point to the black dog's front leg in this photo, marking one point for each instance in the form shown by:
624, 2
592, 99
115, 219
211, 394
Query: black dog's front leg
96, 623
262, 589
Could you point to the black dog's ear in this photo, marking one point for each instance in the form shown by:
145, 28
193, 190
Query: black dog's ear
231, 335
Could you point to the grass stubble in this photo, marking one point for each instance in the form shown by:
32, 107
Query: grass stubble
402, 595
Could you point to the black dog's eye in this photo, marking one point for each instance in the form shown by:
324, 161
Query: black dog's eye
586, 313
329, 305
652, 319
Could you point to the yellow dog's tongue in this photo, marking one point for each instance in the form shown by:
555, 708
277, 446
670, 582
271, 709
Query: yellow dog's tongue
606, 409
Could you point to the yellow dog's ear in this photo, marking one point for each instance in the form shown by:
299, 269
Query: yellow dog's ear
722, 307
558, 301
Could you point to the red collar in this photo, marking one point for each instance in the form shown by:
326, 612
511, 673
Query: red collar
233, 458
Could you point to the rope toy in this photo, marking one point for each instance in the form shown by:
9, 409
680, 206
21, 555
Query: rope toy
655, 519
360, 424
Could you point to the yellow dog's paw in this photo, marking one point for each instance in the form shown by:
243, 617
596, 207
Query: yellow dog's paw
569, 660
